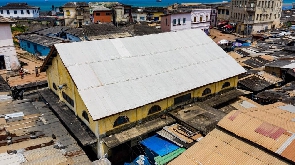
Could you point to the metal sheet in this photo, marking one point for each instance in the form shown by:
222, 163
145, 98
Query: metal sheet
139, 70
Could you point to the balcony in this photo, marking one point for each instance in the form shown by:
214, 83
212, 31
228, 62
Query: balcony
79, 16
249, 22
250, 9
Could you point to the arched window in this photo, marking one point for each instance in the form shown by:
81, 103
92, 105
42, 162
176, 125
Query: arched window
226, 84
85, 115
121, 120
154, 109
206, 91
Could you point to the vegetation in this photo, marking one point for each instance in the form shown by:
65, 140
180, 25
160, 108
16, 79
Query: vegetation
18, 29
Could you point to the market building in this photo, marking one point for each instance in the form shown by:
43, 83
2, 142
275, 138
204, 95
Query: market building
116, 87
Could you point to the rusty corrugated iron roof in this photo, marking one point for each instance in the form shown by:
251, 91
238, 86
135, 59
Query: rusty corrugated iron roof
268, 126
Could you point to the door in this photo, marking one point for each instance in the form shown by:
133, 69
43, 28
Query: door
2, 62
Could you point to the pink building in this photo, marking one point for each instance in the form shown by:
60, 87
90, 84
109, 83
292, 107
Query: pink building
175, 22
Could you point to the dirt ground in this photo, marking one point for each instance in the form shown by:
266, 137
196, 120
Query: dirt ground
30, 75
216, 35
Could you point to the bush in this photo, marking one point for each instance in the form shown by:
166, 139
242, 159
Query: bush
18, 28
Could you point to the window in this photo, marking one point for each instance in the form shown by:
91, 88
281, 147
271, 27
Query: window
214, 11
1, 11
154, 109
227, 12
206, 91
272, 4
222, 11
268, 4
68, 99
28, 11
22, 11
28, 45
54, 86
207, 18
8, 12
15, 11
68, 13
121, 120
258, 4
262, 4
201, 18
108, 13
126, 11
174, 21
97, 14
142, 18
85, 115
270, 15
226, 84
195, 19
182, 98
183, 20
178, 21
219, 11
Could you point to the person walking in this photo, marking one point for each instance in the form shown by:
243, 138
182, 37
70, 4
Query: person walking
36, 71
21, 73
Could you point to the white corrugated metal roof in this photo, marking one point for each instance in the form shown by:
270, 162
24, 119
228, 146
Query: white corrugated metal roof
124, 73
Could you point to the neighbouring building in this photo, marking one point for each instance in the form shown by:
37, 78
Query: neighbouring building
154, 13
201, 19
213, 17
76, 14
8, 57
120, 91
38, 45
122, 14
223, 12
255, 15
19, 10
102, 14
175, 22
138, 15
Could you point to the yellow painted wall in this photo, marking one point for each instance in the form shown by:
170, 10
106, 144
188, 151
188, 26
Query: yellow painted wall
158, 14
58, 73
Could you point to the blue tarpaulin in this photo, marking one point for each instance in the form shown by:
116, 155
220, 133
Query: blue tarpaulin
140, 160
159, 146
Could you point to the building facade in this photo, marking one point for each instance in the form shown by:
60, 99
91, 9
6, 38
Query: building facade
122, 14
213, 17
38, 45
102, 15
175, 22
223, 12
19, 10
109, 103
201, 19
8, 57
76, 14
138, 15
255, 15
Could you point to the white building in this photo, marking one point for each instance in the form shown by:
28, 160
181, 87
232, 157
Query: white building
201, 19
175, 22
19, 10
8, 58
138, 15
